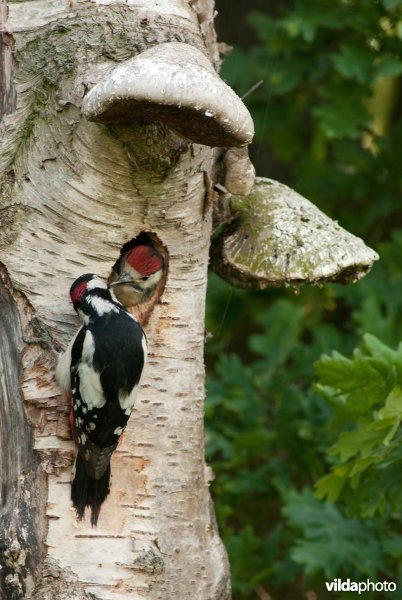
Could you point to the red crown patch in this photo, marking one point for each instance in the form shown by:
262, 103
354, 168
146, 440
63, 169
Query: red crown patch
145, 260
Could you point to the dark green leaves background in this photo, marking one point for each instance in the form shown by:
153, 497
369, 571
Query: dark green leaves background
305, 391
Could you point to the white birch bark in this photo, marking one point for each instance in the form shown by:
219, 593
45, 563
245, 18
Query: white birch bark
72, 193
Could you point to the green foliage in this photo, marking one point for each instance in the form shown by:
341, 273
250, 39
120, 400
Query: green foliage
321, 61
268, 429
368, 403
285, 446
330, 542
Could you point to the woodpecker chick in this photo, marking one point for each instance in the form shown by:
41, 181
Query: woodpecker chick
101, 369
136, 275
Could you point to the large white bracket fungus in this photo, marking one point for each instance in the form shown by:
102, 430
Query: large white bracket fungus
176, 84
274, 236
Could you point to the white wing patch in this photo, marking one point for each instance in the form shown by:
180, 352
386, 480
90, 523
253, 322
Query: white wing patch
144, 347
88, 348
96, 283
91, 390
153, 279
127, 401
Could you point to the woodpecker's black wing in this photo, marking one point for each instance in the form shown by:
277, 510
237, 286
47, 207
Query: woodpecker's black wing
107, 361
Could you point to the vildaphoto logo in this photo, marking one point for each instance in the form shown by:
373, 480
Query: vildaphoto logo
338, 585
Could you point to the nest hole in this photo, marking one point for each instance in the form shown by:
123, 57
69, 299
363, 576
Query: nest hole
144, 310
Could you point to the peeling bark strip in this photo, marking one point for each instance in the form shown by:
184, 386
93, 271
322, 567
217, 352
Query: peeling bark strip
22, 482
7, 92
7, 95
72, 193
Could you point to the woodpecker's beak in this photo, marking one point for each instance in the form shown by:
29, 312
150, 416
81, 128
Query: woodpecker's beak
127, 279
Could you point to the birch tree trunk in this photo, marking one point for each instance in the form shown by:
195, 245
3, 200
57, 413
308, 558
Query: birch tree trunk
72, 193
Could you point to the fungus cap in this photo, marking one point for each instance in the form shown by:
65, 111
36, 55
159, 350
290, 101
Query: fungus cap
176, 84
277, 236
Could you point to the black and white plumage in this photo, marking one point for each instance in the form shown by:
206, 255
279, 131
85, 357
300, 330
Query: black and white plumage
101, 369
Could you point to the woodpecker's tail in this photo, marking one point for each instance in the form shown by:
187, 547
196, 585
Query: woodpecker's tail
86, 491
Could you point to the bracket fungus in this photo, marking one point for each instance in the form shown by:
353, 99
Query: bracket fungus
274, 235
176, 84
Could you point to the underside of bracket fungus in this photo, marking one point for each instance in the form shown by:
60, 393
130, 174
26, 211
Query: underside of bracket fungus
274, 236
173, 83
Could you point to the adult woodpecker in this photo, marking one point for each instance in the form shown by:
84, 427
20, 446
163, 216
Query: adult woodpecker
101, 369
136, 274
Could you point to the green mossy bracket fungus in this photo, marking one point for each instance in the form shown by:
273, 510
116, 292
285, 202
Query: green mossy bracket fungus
274, 235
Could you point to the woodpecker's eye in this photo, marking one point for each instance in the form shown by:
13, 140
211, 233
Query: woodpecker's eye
144, 278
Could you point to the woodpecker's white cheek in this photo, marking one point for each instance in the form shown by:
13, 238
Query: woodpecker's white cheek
102, 306
152, 280
96, 282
